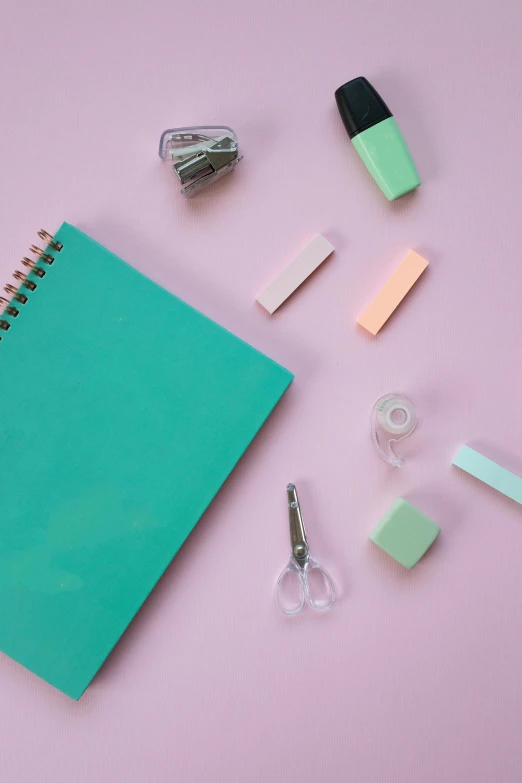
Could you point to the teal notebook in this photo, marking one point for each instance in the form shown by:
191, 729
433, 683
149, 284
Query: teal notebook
123, 410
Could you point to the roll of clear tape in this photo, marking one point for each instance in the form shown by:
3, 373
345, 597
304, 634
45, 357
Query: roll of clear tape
394, 417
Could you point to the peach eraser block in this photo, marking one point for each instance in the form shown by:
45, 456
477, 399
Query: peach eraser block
301, 267
393, 292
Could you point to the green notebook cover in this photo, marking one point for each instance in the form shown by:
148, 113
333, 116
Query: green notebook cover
123, 410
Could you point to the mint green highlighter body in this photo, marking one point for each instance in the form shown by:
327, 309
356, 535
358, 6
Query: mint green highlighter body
123, 410
377, 138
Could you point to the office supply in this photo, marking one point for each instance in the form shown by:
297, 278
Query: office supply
393, 292
394, 417
489, 472
404, 533
200, 155
123, 411
301, 267
377, 138
302, 569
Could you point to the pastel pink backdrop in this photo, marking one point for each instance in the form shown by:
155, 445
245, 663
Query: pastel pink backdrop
414, 677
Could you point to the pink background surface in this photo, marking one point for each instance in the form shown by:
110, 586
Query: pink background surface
414, 676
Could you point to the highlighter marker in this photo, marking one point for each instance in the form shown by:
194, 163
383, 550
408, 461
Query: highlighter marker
377, 138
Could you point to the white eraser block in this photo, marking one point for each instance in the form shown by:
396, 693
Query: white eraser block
302, 266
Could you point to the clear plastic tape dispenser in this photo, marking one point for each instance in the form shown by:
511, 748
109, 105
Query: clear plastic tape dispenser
394, 417
200, 154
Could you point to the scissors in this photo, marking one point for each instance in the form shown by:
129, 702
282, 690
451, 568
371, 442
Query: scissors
301, 564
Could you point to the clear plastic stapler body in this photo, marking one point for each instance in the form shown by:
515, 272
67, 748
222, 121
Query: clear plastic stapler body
200, 155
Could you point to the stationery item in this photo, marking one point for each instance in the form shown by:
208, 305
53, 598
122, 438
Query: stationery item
313, 582
404, 533
394, 417
489, 472
393, 292
200, 155
301, 267
123, 411
377, 138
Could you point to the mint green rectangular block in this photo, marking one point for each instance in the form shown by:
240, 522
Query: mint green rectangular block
123, 410
405, 533
489, 472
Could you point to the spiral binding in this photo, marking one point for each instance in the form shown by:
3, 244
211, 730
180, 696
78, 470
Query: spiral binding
21, 277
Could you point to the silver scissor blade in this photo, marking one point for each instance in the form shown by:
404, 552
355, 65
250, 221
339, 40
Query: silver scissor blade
297, 528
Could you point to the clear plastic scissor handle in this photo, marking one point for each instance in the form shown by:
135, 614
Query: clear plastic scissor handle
299, 584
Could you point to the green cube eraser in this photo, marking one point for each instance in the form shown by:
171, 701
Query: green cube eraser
405, 533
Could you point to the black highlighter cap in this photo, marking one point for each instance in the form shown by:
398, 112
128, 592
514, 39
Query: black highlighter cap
360, 106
